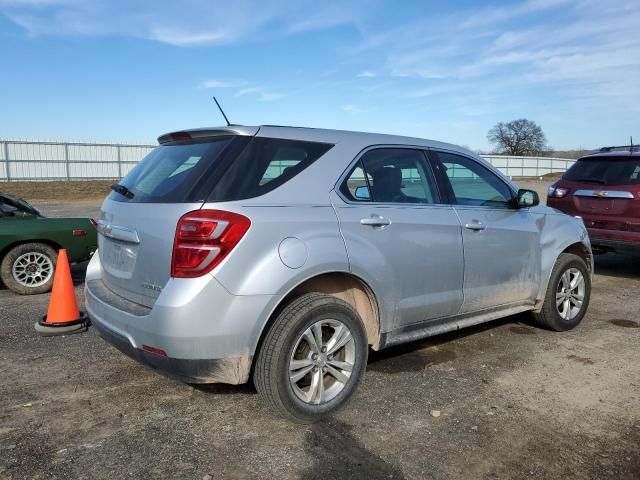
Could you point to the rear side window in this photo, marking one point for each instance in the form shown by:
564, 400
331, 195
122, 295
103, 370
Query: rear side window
605, 171
264, 165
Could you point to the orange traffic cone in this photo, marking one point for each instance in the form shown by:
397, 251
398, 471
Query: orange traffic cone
63, 316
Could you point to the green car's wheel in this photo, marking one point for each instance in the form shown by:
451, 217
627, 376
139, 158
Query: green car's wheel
28, 268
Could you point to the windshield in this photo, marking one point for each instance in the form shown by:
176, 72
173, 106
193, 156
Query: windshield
10, 203
605, 171
172, 172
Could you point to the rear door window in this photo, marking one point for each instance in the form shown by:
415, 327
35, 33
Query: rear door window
391, 175
605, 171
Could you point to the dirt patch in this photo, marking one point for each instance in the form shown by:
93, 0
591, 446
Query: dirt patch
62, 190
619, 322
520, 330
394, 360
583, 360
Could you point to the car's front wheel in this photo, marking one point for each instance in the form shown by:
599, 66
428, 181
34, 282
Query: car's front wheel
28, 268
312, 358
568, 294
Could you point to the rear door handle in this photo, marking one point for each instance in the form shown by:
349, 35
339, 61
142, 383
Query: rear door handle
375, 221
477, 226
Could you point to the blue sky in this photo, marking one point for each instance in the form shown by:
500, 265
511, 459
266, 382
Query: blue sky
129, 71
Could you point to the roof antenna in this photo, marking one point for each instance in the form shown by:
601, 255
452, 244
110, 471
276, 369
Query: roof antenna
222, 111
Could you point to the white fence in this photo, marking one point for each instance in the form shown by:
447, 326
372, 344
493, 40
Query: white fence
27, 160
34, 160
528, 166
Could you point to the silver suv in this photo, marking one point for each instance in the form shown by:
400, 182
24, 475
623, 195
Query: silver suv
283, 254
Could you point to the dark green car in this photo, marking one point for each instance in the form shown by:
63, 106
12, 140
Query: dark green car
29, 244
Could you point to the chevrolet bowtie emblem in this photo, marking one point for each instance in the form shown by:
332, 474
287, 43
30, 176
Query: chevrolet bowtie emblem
601, 193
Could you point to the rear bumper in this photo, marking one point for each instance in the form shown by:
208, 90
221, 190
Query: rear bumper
618, 246
615, 240
224, 370
207, 334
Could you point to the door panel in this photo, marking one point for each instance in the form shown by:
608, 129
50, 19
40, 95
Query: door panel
501, 243
502, 260
417, 259
399, 238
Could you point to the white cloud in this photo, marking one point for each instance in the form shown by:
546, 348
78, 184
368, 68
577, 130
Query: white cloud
514, 53
216, 84
367, 74
260, 93
183, 38
184, 24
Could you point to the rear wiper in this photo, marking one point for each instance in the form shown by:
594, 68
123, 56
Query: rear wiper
122, 190
591, 180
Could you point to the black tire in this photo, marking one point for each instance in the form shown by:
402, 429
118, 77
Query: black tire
6, 268
549, 316
271, 369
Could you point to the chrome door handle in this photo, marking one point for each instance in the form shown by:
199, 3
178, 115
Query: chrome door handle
375, 221
477, 226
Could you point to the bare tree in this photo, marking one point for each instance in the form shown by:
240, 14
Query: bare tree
518, 137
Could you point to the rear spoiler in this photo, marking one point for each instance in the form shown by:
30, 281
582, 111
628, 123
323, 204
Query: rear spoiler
207, 132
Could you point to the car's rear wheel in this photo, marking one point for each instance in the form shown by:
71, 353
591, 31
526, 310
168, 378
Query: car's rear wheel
28, 268
312, 358
568, 294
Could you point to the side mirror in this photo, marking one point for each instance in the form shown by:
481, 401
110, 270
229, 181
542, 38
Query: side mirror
527, 198
362, 193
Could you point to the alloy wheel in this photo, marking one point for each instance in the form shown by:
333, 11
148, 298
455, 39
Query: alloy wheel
321, 362
570, 294
32, 269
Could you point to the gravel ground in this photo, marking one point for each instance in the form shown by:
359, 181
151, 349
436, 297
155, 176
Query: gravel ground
515, 402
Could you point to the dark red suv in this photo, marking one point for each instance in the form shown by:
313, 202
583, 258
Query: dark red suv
604, 189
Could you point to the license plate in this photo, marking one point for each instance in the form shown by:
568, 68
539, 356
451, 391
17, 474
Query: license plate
115, 255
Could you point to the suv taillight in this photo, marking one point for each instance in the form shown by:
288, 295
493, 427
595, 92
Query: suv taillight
557, 192
203, 239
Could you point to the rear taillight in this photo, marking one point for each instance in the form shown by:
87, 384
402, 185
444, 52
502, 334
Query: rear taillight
203, 239
557, 192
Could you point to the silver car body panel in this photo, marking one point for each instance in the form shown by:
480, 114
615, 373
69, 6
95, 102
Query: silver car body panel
428, 272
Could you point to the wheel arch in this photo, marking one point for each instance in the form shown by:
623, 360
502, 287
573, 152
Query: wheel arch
581, 250
578, 248
17, 243
343, 285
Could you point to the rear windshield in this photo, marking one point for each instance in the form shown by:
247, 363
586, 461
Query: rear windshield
605, 171
219, 169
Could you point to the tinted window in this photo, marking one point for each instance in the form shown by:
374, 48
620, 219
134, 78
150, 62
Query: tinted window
472, 183
6, 209
265, 164
170, 172
605, 171
220, 169
391, 175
